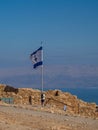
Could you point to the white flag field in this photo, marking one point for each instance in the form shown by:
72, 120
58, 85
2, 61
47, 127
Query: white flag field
37, 58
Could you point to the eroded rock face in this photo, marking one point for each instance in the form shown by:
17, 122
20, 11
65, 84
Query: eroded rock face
55, 100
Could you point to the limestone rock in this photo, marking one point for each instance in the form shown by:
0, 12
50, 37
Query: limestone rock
54, 102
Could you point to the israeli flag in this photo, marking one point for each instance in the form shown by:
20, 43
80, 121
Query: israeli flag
37, 58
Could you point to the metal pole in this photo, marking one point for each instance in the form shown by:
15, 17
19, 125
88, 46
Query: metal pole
42, 68
42, 80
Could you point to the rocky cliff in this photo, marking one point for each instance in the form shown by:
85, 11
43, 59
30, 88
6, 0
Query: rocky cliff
55, 100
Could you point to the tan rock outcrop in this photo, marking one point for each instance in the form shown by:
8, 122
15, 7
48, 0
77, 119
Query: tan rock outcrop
55, 100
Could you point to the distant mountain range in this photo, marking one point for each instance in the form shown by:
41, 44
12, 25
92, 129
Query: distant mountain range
56, 77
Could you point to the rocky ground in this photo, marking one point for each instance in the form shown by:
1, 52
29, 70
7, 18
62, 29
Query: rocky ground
55, 100
29, 117
24, 112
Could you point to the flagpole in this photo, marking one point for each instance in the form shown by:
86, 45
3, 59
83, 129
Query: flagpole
42, 70
42, 73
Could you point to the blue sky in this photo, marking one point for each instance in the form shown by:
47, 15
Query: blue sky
69, 29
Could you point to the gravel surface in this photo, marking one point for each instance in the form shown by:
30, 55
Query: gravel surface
16, 118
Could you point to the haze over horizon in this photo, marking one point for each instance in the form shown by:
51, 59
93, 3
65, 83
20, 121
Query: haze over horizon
69, 31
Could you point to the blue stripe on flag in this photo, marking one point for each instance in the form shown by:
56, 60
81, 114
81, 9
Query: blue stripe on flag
36, 51
37, 64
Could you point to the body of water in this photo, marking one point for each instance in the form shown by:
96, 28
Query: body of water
86, 94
